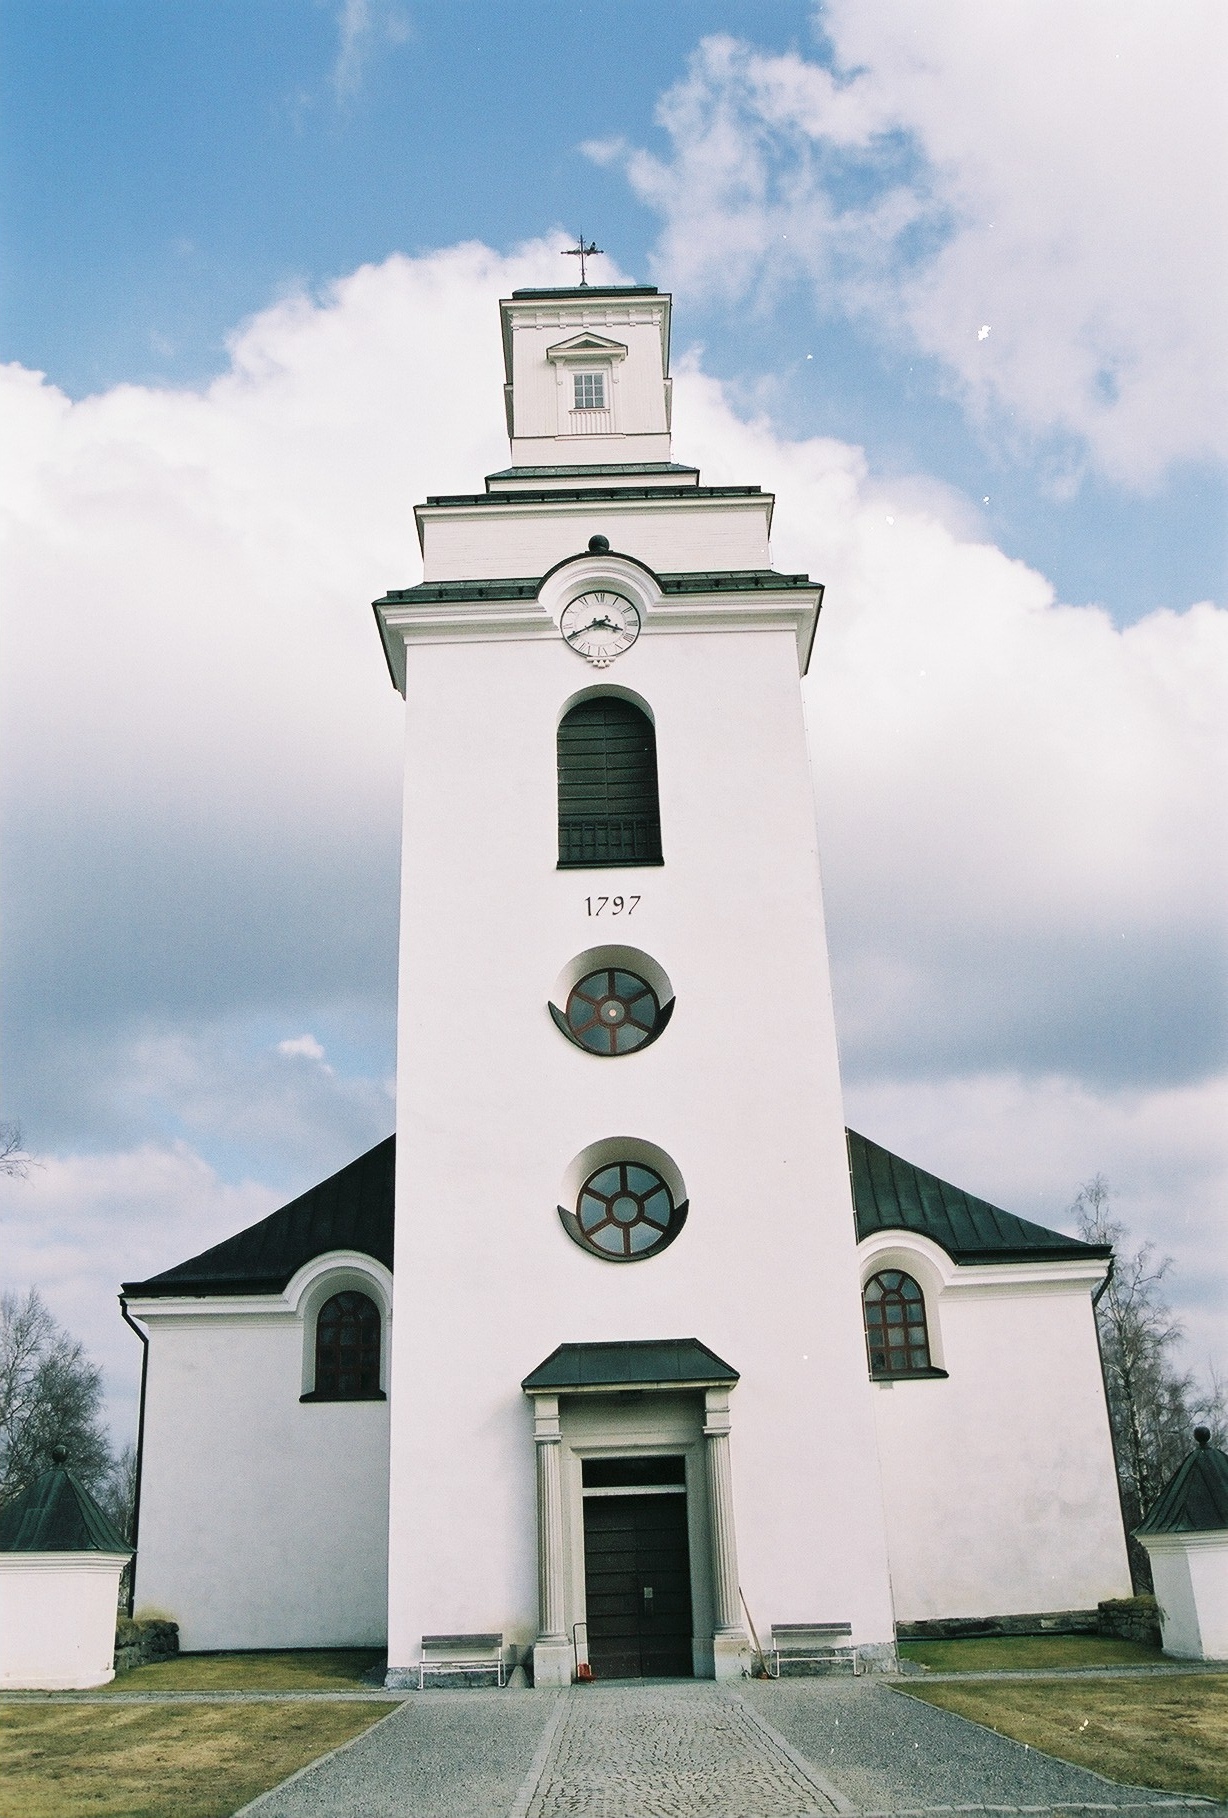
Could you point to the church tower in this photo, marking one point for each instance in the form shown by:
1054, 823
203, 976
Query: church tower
629, 1395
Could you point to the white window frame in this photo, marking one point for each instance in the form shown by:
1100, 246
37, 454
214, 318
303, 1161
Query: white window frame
334, 1273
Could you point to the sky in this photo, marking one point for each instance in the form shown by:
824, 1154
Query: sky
949, 279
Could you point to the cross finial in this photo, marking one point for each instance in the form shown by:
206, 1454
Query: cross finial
582, 252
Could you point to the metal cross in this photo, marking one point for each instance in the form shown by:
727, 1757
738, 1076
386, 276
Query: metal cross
582, 252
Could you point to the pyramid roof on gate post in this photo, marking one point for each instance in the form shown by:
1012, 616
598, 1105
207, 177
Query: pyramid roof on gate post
1195, 1498
57, 1514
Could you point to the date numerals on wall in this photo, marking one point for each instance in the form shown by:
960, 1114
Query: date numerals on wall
611, 905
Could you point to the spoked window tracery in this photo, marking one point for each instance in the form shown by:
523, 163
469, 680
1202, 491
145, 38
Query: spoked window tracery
624, 1211
612, 1011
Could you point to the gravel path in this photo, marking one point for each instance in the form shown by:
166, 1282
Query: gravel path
891, 1753
692, 1749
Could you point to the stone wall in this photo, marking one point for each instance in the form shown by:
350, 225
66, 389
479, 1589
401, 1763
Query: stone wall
1131, 1619
964, 1628
137, 1643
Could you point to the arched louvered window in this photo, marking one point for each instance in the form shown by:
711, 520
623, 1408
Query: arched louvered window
347, 1348
608, 808
896, 1337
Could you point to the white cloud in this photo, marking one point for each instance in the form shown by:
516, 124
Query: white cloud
301, 1047
81, 1222
1018, 803
1033, 779
1056, 170
362, 25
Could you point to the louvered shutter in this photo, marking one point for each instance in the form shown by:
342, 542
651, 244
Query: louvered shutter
608, 808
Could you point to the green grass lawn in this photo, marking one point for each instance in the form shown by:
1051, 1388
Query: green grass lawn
301, 1670
1165, 1733
1015, 1653
60, 1760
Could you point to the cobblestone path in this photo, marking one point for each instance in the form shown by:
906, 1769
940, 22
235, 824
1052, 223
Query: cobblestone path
669, 1751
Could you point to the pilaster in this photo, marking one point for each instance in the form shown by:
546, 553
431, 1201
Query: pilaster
730, 1647
552, 1654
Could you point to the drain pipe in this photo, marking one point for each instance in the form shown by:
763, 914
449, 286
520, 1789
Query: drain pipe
1104, 1378
140, 1451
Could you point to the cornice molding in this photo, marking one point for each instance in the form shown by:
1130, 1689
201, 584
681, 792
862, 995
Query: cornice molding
982, 1279
460, 620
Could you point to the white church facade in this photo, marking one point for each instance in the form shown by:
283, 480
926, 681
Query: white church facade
625, 1349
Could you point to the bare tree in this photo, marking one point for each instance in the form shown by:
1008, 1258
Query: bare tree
118, 1494
50, 1395
14, 1160
1153, 1403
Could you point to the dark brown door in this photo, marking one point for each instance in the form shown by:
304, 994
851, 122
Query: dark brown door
638, 1581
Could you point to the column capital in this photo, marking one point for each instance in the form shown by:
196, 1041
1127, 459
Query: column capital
716, 1413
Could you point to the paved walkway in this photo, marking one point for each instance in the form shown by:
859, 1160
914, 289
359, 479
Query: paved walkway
692, 1749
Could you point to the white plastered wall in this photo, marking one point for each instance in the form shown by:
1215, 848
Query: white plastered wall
263, 1518
484, 542
637, 387
57, 1620
742, 1091
999, 1481
1190, 1573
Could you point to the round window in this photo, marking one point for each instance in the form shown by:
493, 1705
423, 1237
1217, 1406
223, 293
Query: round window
613, 1012
624, 1211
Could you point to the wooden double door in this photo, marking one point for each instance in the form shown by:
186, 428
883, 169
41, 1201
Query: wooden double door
637, 1570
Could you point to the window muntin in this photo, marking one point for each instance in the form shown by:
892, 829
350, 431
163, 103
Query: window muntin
609, 810
896, 1335
589, 390
347, 1348
624, 1212
612, 1011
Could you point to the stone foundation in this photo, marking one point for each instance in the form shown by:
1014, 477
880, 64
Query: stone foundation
966, 1628
137, 1643
1131, 1619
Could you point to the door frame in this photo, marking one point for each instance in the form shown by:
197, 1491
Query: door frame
639, 1425
621, 1493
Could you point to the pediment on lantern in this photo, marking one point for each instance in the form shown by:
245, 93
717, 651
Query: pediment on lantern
587, 346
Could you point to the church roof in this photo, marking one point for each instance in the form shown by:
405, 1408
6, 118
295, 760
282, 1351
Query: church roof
890, 1194
586, 292
353, 1210
1195, 1500
56, 1514
630, 1363
713, 580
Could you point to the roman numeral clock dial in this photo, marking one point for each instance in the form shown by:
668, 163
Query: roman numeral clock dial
600, 626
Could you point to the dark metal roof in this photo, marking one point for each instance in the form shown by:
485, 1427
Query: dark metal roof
893, 1195
1195, 1500
550, 473
588, 495
56, 1514
524, 587
591, 290
630, 1363
351, 1210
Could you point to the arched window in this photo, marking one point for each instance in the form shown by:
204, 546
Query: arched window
608, 808
896, 1337
347, 1348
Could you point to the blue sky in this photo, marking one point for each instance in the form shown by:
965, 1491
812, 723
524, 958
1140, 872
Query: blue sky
170, 169
950, 279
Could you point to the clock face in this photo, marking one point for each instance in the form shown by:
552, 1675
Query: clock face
600, 626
